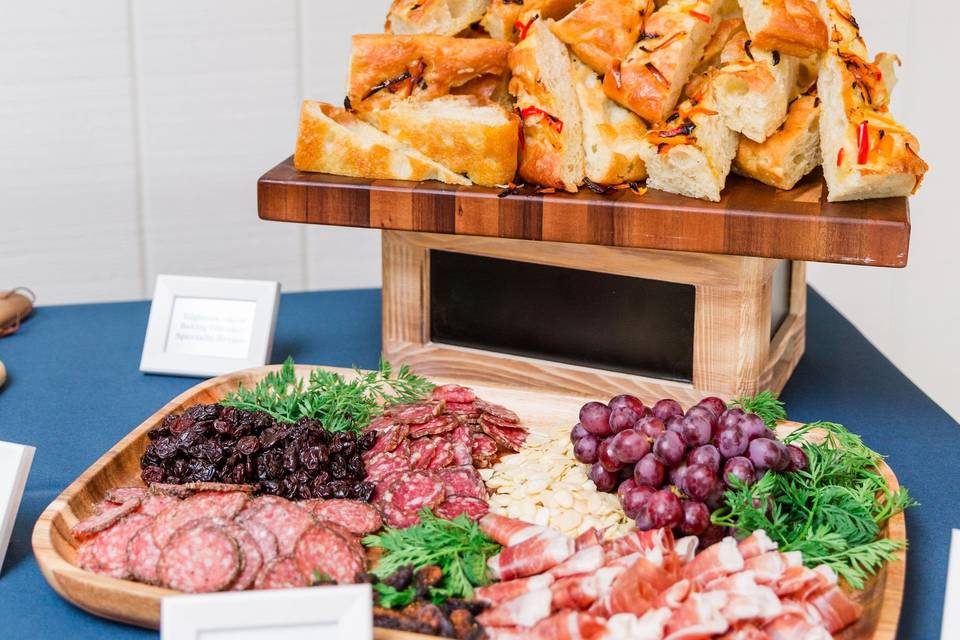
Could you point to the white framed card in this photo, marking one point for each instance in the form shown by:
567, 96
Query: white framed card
329, 612
209, 326
15, 460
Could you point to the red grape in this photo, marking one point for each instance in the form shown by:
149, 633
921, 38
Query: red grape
768, 454
715, 499
665, 510
623, 418
666, 408
668, 448
625, 487
731, 441
587, 449
740, 468
677, 474
696, 518
798, 459
629, 446
648, 471
696, 430
730, 417
715, 404
704, 413
635, 500
603, 479
595, 418
651, 426
642, 519
699, 481
577, 432
754, 427
675, 423
631, 402
607, 458
707, 455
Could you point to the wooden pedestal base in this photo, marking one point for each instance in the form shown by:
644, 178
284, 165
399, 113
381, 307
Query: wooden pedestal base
734, 349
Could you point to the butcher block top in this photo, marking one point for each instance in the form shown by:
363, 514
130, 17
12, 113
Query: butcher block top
752, 219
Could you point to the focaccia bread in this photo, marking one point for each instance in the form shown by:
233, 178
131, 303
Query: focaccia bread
866, 153
601, 32
753, 88
552, 150
468, 135
792, 27
612, 135
690, 154
333, 140
505, 20
649, 80
385, 68
439, 17
790, 153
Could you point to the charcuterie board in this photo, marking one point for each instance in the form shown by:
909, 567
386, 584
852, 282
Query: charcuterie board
139, 604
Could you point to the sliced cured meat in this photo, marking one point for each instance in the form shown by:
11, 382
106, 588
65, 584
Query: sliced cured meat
686, 548
381, 492
434, 427
200, 559
398, 518
507, 438
583, 591
592, 537
454, 506
103, 521
352, 541
637, 588
835, 608
443, 454
646, 627
499, 422
508, 531
674, 595
416, 413
143, 556
212, 504
252, 558
104, 505
222, 487
567, 625
497, 411
389, 438
281, 573
507, 633
699, 617
767, 567
755, 544
110, 547
500, 592
586, 560
321, 553
154, 505
266, 541
415, 490
525, 610
377, 424
466, 411
357, 517
532, 556
714, 562
421, 453
453, 393
654, 544
383, 464
286, 521
87, 555
461, 444
483, 448
463, 481
175, 490
120, 495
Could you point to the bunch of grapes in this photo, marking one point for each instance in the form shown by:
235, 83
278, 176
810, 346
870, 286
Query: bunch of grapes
670, 468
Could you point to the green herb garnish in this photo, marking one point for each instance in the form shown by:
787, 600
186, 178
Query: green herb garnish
457, 546
338, 403
833, 511
765, 405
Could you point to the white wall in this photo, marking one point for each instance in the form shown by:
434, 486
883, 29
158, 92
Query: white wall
132, 133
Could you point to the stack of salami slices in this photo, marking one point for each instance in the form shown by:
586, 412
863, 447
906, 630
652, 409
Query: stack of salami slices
216, 537
427, 453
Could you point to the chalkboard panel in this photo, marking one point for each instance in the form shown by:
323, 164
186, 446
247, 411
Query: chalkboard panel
604, 321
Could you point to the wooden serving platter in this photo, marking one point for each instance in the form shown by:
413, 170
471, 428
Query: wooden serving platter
139, 604
752, 219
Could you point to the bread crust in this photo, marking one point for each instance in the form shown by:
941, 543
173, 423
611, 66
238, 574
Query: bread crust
790, 153
501, 17
792, 27
650, 79
466, 134
438, 17
601, 32
333, 140
421, 66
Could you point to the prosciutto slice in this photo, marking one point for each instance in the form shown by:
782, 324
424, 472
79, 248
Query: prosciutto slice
747, 600
637, 588
507, 531
626, 626
524, 611
755, 544
587, 560
795, 626
534, 555
592, 537
714, 562
835, 608
570, 625
767, 567
700, 616
500, 592
581, 592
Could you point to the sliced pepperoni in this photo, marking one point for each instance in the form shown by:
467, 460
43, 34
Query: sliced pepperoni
437, 426
357, 517
213, 504
143, 557
322, 553
266, 541
454, 506
122, 494
110, 547
281, 573
200, 559
463, 481
104, 520
453, 393
415, 490
286, 521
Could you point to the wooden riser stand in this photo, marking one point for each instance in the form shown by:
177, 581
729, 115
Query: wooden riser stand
733, 352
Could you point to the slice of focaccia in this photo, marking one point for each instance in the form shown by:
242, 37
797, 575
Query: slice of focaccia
672, 40
333, 140
551, 153
468, 135
790, 153
866, 153
792, 27
439, 17
601, 32
612, 135
754, 87
385, 68
507, 19
690, 154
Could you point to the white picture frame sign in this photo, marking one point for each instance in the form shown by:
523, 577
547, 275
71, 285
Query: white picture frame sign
15, 461
209, 326
314, 613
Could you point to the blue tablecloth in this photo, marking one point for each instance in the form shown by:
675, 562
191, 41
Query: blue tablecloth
75, 390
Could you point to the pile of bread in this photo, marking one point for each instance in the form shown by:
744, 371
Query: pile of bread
601, 93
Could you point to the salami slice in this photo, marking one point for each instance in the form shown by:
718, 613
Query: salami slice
507, 438
223, 487
499, 422
421, 453
378, 423
353, 543
250, 552
415, 413
266, 541
143, 557
200, 559
484, 450
122, 494
175, 490
454, 506
453, 393
463, 481
87, 555
463, 409
103, 521
286, 521
415, 490
212, 504
383, 464
398, 518
437, 426
388, 439
498, 411
104, 505
443, 456
460, 443
281, 573
110, 547
322, 553
357, 517
154, 505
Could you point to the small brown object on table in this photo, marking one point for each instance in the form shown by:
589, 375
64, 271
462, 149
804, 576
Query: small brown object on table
139, 604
